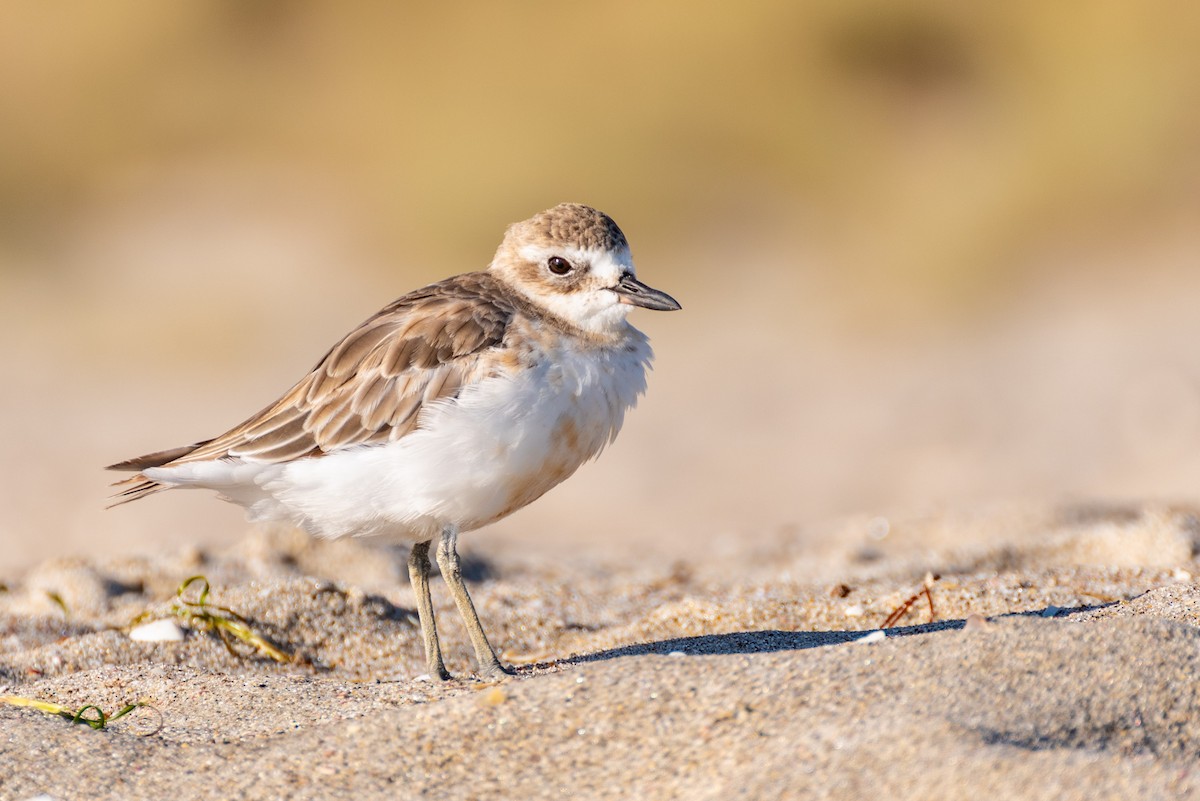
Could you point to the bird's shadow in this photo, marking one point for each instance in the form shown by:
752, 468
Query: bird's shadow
771, 641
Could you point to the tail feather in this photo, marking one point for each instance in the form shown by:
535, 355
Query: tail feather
138, 486
134, 487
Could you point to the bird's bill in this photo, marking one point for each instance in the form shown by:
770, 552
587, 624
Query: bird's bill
635, 293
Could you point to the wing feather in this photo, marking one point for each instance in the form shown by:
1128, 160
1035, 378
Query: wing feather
350, 352
406, 410
372, 390
328, 426
284, 417
399, 355
290, 429
371, 387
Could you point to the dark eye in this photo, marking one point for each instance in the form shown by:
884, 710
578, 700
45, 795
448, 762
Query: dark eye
558, 265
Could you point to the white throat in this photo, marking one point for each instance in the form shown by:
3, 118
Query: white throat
592, 306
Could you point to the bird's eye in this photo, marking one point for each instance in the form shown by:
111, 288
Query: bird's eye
558, 265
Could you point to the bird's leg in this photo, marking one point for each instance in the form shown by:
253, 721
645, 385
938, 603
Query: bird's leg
448, 561
418, 574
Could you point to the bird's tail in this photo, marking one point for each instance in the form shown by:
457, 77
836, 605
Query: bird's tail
132, 488
138, 486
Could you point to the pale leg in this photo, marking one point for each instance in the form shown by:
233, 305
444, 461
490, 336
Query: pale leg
418, 574
447, 557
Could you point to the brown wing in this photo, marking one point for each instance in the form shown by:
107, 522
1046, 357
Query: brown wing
371, 387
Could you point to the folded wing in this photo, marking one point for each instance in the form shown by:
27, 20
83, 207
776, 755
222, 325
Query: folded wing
370, 388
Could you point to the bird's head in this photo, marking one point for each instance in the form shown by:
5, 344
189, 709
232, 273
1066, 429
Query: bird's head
573, 261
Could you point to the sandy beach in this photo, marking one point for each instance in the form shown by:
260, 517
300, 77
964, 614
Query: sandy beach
1059, 663
909, 510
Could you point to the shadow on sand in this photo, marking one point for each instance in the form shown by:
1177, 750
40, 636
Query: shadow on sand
761, 642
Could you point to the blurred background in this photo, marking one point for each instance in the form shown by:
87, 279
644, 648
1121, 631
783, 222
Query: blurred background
931, 254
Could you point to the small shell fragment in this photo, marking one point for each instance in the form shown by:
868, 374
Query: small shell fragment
157, 631
875, 636
975, 622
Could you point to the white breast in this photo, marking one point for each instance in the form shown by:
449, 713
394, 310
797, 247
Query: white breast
500, 445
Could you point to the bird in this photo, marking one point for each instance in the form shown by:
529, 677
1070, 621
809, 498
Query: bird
451, 408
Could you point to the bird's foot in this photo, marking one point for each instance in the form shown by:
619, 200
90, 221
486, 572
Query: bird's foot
494, 671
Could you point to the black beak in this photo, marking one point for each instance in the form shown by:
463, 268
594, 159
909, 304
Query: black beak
635, 293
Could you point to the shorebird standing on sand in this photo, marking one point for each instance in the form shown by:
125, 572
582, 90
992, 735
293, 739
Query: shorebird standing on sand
451, 408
